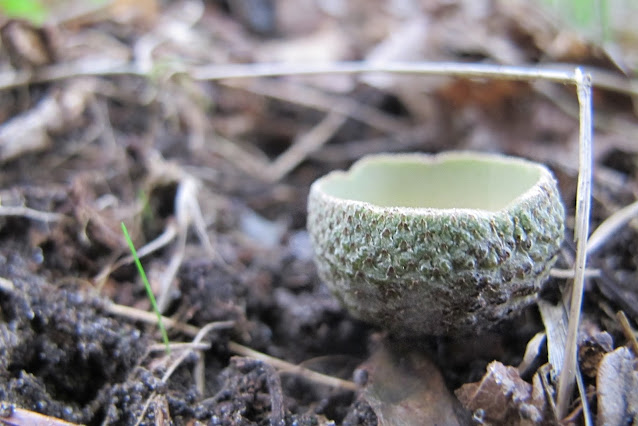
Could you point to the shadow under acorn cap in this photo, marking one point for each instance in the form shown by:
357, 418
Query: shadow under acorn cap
444, 244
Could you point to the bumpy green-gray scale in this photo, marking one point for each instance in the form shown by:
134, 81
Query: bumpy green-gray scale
428, 267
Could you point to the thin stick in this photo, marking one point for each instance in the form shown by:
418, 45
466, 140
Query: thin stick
30, 213
161, 241
150, 318
583, 398
218, 325
306, 144
180, 346
627, 331
560, 73
288, 367
583, 206
569, 273
166, 280
220, 72
609, 227
307, 96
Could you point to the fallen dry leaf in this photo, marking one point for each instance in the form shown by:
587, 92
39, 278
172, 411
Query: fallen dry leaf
617, 386
503, 398
406, 388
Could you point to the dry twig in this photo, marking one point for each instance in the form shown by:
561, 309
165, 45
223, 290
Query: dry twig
570, 273
189, 330
30, 213
305, 145
610, 226
292, 368
629, 333
151, 318
313, 98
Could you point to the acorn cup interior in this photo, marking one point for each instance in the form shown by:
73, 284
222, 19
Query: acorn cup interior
469, 182
442, 244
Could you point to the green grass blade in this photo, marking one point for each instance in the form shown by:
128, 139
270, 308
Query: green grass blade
147, 285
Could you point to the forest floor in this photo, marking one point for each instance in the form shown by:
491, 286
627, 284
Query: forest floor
117, 112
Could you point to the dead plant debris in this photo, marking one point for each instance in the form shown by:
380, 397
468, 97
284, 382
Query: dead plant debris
117, 111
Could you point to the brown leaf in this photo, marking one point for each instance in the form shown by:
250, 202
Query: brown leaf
503, 398
617, 386
406, 388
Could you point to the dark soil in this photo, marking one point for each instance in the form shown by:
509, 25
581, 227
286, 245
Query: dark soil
125, 147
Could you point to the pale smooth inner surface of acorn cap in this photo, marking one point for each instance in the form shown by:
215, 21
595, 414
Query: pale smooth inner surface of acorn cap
481, 182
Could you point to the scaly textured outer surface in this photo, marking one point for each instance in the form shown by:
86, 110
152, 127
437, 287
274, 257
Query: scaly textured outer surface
423, 271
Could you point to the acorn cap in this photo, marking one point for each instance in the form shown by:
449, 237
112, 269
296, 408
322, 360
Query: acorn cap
445, 244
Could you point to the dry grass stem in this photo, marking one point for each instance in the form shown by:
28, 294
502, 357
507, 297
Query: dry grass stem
219, 325
179, 346
629, 333
312, 98
242, 158
287, 367
169, 274
187, 213
410, 138
151, 318
610, 226
559, 73
169, 234
584, 402
114, 67
26, 212
570, 273
313, 376
583, 206
220, 72
305, 145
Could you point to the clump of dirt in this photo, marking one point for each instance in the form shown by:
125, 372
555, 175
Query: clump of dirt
213, 175
60, 353
65, 355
